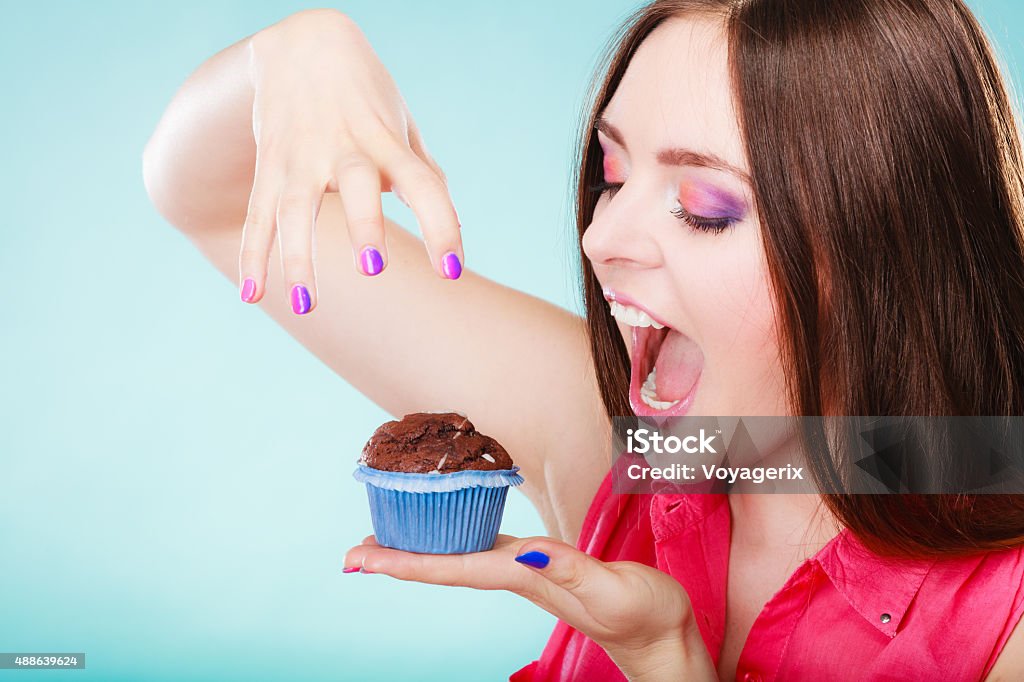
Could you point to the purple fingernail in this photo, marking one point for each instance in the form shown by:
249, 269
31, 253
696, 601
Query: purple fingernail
248, 289
451, 266
371, 261
300, 300
350, 569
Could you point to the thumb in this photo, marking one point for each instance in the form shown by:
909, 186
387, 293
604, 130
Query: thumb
568, 568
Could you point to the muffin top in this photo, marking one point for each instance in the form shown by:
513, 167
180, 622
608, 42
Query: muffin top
433, 443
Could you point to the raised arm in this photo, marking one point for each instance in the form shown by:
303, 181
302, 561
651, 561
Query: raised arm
248, 148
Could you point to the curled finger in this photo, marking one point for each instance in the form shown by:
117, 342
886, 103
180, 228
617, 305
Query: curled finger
296, 213
427, 195
359, 188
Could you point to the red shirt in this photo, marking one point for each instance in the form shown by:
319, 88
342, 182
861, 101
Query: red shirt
845, 613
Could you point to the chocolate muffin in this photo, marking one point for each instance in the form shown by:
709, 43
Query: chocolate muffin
435, 484
433, 443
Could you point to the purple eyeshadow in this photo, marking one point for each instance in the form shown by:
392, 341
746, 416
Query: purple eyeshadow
710, 201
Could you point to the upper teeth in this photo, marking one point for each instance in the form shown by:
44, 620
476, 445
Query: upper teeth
634, 317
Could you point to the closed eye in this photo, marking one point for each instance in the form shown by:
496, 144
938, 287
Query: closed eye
602, 187
697, 222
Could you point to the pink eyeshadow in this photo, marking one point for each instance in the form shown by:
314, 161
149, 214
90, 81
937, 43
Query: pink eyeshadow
612, 169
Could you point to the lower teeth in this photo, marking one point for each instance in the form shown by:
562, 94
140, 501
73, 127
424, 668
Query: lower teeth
649, 394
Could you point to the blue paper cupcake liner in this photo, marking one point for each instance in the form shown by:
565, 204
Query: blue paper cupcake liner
453, 513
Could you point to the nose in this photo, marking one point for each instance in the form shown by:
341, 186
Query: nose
622, 232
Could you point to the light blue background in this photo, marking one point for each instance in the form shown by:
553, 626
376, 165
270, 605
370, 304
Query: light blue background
176, 471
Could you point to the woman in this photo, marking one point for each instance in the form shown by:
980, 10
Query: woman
821, 202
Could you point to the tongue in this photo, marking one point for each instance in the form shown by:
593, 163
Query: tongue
678, 365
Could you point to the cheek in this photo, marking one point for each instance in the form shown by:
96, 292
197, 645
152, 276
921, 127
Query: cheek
738, 318
739, 335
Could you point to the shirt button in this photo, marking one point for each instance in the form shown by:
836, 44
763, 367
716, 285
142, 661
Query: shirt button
885, 618
752, 677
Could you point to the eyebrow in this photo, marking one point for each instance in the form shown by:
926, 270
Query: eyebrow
678, 156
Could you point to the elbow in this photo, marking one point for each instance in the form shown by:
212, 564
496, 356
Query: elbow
323, 14
164, 193
154, 180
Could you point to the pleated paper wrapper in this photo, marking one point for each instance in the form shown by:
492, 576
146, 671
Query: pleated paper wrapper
453, 513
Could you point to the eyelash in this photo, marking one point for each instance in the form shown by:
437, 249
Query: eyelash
696, 222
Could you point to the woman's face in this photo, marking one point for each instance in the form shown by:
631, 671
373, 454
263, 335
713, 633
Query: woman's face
676, 241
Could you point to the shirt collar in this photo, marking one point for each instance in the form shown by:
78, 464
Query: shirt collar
879, 588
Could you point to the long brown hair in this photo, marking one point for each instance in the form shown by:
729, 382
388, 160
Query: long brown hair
887, 174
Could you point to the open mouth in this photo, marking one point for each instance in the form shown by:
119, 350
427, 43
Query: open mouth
666, 364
